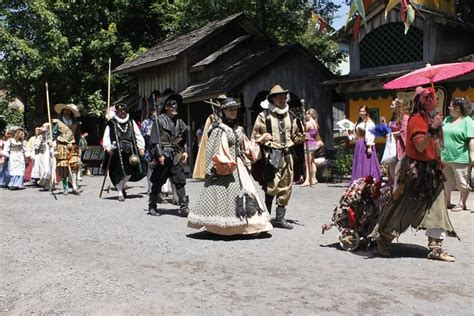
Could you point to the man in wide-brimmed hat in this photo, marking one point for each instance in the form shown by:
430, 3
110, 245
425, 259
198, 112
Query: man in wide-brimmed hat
168, 143
66, 132
276, 129
125, 148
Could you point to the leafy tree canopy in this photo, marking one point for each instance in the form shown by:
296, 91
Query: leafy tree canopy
67, 43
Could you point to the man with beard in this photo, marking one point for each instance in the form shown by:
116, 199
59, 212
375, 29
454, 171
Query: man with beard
66, 132
276, 129
168, 139
125, 146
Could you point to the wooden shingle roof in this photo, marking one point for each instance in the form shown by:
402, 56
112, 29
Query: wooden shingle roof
211, 58
234, 75
168, 49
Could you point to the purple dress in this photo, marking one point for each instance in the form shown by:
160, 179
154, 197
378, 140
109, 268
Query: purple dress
311, 143
364, 165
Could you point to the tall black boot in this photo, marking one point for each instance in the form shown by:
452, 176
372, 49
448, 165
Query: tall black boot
269, 202
152, 205
183, 206
280, 221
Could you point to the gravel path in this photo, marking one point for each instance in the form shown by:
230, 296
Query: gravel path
83, 255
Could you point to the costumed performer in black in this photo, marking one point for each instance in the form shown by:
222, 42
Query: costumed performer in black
125, 148
168, 143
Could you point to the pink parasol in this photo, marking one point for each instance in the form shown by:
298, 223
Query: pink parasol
429, 75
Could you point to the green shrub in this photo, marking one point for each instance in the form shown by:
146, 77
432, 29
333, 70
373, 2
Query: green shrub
344, 162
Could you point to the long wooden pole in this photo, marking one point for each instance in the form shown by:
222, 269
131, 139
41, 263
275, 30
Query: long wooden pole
49, 114
108, 84
106, 171
53, 171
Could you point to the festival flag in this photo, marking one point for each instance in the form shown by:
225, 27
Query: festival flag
320, 24
360, 7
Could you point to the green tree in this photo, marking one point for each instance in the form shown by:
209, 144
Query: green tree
68, 44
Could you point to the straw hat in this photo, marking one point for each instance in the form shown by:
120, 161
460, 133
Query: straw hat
276, 89
58, 108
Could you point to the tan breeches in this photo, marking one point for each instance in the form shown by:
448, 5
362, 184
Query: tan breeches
281, 186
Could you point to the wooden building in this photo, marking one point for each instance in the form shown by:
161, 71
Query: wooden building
231, 56
383, 52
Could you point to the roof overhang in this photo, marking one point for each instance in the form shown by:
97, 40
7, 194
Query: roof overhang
374, 82
197, 98
146, 65
368, 82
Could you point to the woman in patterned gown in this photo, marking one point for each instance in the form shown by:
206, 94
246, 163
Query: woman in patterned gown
217, 209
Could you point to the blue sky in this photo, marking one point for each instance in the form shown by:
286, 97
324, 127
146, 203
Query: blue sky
341, 15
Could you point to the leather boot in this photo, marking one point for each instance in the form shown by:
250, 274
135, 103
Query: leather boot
152, 205
183, 206
175, 199
269, 202
280, 220
65, 186
437, 252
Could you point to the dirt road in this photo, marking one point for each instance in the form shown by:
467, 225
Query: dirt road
83, 255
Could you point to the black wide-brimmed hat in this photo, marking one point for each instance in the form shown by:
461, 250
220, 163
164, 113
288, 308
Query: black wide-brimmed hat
176, 97
121, 106
230, 103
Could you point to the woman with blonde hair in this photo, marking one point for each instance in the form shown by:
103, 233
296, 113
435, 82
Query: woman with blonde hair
398, 124
310, 146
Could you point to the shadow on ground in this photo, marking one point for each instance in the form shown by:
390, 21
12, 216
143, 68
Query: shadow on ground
205, 235
129, 196
397, 250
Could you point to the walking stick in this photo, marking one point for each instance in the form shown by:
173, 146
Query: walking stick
106, 172
51, 179
108, 85
108, 108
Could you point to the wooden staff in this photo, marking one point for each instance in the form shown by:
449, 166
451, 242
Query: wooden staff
106, 171
108, 85
53, 172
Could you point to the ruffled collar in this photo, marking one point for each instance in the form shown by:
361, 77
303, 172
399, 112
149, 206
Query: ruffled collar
277, 110
122, 121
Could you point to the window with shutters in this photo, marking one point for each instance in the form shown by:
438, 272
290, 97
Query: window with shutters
388, 45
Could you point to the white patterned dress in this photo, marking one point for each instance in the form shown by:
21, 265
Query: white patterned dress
17, 152
215, 210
